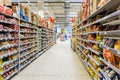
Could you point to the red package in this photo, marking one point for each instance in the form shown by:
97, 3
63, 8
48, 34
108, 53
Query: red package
8, 11
1, 27
1, 8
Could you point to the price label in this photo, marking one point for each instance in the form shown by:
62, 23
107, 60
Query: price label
118, 52
107, 48
105, 32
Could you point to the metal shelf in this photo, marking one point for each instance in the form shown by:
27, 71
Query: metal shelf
5, 39
115, 22
8, 62
93, 32
94, 60
11, 16
111, 66
106, 7
84, 40
25, 64
83, 33
3, 30
7, 78
110, 32
8, 54
27, 48
93, 51
93, 68
7, 22
116, 52
102, 19
112, 37
8, 69
83, 46
93, 41
28, 43
25, 59
28, 32
28, 37
25, 26
26, 21
104, 74
8, 46
83, 52
28, 53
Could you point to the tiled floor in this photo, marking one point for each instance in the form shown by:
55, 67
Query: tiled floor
58, 63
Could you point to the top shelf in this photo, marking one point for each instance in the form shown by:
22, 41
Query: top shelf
10, 16
106, 7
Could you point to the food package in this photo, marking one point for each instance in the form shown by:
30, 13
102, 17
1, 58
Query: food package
1, 8
7, 2
1, 1
117, 45
8, 11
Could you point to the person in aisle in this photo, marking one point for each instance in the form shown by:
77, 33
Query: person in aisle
62, 38
65, 36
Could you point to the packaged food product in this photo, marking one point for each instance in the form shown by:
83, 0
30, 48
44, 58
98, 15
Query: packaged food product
1, 8
110, 57
117, 45
8, 11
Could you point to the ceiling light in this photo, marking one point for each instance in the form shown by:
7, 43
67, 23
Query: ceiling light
41, 13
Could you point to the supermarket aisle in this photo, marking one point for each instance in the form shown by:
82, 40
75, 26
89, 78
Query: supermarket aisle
58, 63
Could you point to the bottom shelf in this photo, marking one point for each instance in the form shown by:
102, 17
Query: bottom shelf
7, 78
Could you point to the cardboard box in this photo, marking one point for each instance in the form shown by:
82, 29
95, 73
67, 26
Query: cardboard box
95, 5
7, 2
27, 9
29, 18
1, 8
39, 19
34, 18
90, 7
1, 1
21, 6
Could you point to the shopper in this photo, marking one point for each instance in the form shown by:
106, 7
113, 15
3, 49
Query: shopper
65, 36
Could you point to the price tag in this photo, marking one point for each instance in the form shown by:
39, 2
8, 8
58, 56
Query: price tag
6, 55
118, 52
105, 32
107, 48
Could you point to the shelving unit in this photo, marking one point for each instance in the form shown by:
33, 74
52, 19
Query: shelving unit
21, 43
96, 41
28, 46
9, 41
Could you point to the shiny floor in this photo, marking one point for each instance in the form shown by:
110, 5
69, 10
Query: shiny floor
58, 63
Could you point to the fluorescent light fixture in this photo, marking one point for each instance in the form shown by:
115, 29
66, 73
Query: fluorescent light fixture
41, 13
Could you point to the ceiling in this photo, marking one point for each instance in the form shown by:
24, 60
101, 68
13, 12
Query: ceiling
62, 10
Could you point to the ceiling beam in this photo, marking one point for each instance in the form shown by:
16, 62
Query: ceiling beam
47, 2
80, 1
64, 22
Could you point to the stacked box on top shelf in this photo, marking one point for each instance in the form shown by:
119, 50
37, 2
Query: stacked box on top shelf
34, 18
7, 2
28, 43
39, 20
27, 12
9, 46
